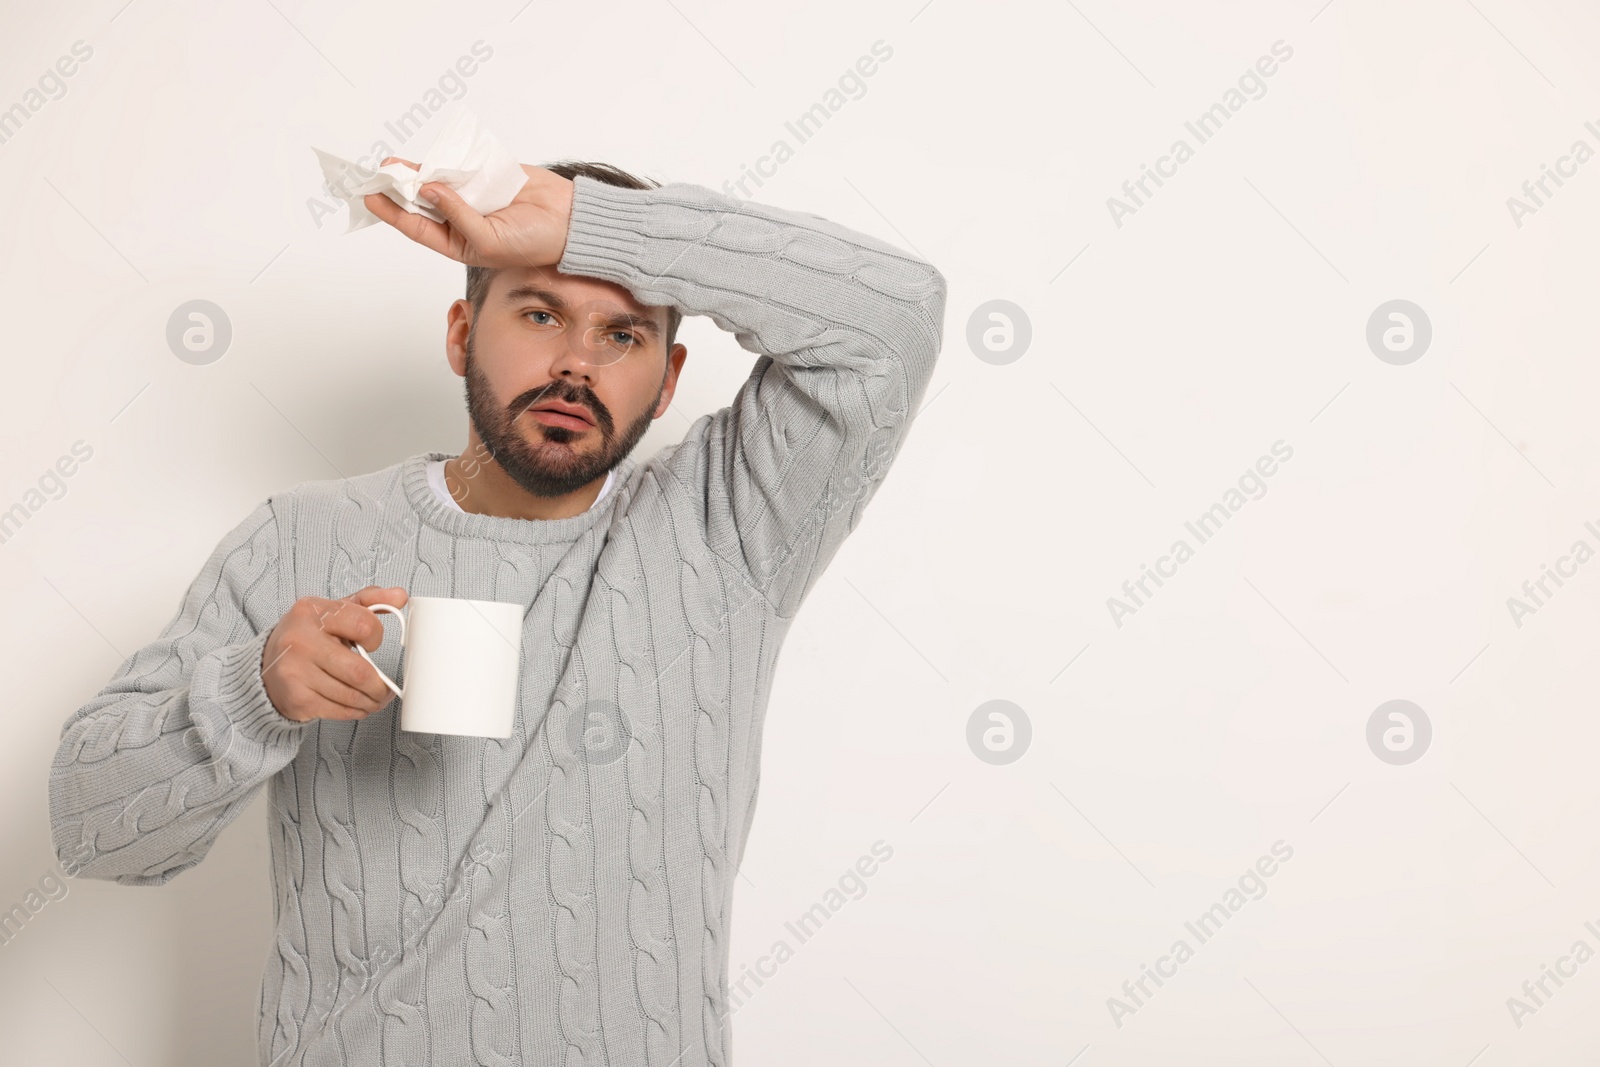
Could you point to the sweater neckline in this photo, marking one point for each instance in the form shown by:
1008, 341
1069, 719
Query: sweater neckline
432, 511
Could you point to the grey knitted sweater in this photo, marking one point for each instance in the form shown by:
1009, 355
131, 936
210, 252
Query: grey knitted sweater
561, 897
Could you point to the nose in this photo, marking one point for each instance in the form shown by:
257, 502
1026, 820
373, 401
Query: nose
586, 337
575, 356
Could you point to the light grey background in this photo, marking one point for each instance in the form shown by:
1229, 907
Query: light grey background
1167, 354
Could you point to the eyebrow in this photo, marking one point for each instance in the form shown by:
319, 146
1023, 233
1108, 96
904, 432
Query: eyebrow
558, 303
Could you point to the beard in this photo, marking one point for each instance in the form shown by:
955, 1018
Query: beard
552, 467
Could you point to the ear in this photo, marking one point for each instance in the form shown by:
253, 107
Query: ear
458, 323
675, 360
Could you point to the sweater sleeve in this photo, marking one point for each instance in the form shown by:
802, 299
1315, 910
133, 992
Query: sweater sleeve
847, 329
177, 744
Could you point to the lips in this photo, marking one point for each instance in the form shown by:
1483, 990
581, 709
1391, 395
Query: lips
574, 411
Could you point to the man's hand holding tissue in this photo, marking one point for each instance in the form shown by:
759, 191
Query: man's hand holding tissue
531, 231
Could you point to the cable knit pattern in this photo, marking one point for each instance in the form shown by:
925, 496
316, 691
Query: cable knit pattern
561, 898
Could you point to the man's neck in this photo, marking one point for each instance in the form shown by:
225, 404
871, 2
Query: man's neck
482, 487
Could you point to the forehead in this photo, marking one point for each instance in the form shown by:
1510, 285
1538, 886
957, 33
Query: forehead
590, 294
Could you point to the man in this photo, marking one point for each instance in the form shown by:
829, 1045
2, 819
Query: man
560, 897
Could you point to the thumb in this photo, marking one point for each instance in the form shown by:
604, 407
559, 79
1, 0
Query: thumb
375, 594
462, 216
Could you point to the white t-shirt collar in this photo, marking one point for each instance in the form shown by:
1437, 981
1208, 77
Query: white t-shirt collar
441, 490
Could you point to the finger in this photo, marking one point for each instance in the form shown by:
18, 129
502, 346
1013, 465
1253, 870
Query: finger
462, 216
303, 683
320, 707
394, 596
424, 231
341, 692
352, 622
346, 666
397, 159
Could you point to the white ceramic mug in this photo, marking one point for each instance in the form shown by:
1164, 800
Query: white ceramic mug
461, 665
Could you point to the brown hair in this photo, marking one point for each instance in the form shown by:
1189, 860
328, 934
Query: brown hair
478, 278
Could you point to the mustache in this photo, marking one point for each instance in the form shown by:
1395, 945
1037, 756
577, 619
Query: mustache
565, 393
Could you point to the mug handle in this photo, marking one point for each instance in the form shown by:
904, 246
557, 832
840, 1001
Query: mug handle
396, 612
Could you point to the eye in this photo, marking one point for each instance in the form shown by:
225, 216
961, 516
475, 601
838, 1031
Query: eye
628, 339
536, 312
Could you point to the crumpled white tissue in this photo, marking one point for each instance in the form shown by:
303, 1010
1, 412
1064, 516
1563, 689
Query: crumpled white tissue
464, 156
